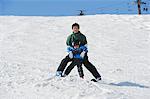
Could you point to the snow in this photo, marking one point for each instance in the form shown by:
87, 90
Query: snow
31, 49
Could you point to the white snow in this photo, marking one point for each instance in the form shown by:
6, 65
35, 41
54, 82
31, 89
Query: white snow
31, 49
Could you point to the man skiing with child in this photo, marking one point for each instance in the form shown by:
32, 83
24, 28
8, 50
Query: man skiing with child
77, 53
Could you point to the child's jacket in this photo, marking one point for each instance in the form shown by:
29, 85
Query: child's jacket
77, 51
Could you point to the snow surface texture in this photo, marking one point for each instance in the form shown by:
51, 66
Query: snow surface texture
31, 49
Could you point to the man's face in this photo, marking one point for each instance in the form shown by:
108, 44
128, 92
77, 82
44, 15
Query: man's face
75, 29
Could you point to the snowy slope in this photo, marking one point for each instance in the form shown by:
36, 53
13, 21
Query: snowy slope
31, 49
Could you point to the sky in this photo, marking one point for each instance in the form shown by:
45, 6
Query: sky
66, 7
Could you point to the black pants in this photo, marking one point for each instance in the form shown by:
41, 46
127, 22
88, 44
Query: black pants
75, 62
86, 63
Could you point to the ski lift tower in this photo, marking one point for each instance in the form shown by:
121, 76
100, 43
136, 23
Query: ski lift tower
139, 6
139, 2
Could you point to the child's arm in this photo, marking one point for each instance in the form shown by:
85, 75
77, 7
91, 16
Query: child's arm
69, 50
84, 51
84, 48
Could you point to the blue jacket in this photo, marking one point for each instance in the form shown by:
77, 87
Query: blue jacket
80, 49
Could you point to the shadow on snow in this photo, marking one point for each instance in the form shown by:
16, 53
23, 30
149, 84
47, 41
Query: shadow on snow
129, 84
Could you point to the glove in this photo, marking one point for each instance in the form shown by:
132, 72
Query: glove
82, 54
70, 55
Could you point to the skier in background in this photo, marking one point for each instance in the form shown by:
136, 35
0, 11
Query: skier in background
77, 36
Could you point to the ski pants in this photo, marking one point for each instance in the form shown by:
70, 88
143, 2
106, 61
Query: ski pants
86, 63
78, 62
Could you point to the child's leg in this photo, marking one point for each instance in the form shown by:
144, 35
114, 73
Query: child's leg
80, 69
70, 67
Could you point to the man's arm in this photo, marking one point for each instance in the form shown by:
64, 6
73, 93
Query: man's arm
68, 42
69, 47
84, 47
84, 40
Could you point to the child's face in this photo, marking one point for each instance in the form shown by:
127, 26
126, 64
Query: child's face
75, 29
76, 46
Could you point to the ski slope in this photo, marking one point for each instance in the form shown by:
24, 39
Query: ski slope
31, 49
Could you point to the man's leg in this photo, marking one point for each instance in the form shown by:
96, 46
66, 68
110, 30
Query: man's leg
63, 64
91, 67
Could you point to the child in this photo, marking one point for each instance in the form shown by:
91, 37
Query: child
76, 58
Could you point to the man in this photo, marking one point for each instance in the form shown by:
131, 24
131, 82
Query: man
77, 36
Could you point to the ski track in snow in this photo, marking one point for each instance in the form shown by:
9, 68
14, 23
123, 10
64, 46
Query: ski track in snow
31, 49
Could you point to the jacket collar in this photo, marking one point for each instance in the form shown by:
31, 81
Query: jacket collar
76, 33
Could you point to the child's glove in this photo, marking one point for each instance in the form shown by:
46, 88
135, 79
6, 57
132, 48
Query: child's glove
82, 54
69, 50
70, 55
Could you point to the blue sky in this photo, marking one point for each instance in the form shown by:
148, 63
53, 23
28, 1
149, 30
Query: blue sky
65, 7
